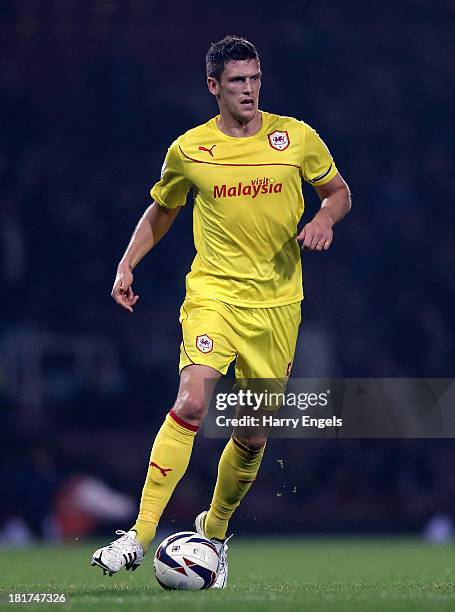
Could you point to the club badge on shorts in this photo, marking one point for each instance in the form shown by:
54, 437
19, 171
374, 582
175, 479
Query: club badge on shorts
279, 140
204, 343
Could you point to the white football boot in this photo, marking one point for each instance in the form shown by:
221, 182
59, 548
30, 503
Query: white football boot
124, 552
221, 548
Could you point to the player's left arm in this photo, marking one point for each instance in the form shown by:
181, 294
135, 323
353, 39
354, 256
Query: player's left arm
317, 235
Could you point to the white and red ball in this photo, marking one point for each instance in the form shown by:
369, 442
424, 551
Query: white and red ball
186, 560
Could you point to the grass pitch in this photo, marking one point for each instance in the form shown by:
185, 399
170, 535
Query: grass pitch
264, 574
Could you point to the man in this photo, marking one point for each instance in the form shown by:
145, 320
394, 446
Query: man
244, 289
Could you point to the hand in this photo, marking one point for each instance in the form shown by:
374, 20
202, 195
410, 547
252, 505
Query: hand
317, 235
122, 292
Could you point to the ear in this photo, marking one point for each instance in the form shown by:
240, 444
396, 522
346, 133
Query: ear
213, 86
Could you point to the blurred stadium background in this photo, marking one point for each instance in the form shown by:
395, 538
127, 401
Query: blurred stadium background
91, 95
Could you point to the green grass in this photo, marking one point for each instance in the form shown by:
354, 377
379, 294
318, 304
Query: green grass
265, 574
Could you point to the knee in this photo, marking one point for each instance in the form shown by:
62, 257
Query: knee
190, 408
253, 443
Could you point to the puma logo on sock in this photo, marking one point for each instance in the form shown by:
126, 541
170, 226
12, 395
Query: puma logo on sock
162, 470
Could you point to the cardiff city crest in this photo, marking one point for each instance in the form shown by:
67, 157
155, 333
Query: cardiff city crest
279, 140
204, 343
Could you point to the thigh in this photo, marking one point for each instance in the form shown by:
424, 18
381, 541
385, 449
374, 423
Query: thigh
269, 353
209, 336
266, 360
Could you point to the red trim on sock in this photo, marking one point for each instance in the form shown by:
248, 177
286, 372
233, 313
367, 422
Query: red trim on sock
243, 447
182, 423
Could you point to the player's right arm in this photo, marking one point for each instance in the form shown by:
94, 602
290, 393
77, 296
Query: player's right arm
169, 195
152, 226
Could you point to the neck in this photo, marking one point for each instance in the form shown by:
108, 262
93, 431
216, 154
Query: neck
232, 127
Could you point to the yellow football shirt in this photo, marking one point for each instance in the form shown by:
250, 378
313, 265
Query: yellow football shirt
247, 203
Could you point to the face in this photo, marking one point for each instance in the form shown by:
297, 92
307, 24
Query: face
237, 91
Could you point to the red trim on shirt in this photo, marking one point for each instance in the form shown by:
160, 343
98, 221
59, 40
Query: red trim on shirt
200, 161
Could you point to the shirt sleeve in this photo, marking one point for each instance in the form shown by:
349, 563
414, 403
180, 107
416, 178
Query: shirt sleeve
171, 190
318, 166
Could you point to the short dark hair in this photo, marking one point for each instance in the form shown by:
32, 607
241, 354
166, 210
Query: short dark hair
229, 49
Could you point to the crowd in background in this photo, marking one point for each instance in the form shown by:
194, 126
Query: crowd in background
91, 96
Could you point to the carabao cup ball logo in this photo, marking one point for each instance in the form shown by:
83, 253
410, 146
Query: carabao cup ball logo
279, 140
204, 343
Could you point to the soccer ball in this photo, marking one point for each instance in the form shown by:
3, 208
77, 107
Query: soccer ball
186, 560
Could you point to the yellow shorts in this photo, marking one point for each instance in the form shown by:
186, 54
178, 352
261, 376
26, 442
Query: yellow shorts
261, 340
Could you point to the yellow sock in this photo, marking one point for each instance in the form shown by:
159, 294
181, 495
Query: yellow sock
237, 470
169, 459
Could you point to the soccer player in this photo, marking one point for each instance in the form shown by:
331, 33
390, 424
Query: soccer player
244, 289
